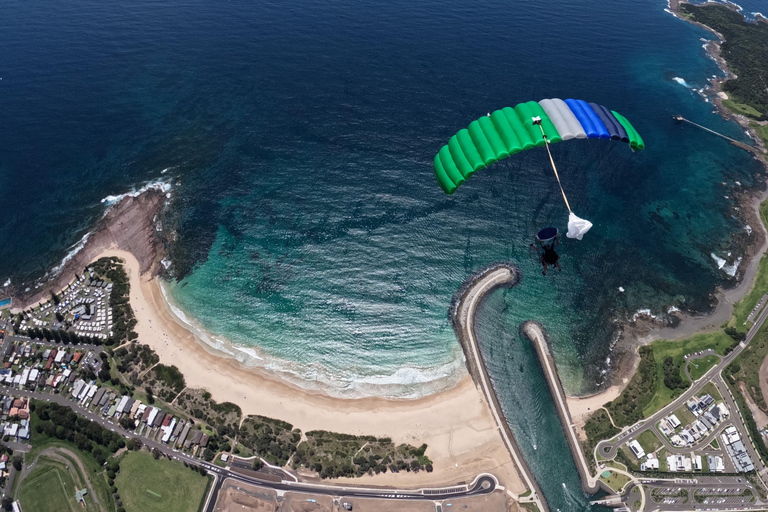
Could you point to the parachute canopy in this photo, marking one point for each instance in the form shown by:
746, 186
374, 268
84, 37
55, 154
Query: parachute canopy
511, 130
547, 234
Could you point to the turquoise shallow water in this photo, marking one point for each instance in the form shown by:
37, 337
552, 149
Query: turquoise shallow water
299, 138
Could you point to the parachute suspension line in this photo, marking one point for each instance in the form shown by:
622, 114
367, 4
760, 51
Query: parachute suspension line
552, 161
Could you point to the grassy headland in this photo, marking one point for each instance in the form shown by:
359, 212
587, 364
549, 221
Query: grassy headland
745, 49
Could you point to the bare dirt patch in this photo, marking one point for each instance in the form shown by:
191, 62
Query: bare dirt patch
373, 505
494, 502
300, 502
246, 498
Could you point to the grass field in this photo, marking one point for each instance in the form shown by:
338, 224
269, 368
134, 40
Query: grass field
96, 474
649, 441
741, 108
698, 367
615, 481
51, 488
149, 485
717, 341
762, 131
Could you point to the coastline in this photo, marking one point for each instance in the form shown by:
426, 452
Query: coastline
644, 332
460, 446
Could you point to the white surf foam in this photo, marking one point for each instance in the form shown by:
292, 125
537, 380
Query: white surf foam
342, 381
161, 185
682, 82
728, 268
7, 283
643, 312
71, 254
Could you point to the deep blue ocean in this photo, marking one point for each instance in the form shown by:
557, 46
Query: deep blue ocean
298, 140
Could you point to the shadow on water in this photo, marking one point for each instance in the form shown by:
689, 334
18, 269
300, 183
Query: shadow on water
528, 403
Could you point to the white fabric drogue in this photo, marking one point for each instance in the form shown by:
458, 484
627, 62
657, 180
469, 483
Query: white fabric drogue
577, 227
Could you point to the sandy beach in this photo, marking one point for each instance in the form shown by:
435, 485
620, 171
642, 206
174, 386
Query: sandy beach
456, 424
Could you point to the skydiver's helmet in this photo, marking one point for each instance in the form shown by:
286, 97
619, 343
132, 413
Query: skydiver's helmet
547, 236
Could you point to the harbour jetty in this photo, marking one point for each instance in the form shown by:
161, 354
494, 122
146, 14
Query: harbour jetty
462, 313
746, 147
536, 333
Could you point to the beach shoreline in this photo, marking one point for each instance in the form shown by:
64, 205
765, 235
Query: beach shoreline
460, 445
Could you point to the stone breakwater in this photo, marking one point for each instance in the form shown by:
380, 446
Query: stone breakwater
462, 313
536, 333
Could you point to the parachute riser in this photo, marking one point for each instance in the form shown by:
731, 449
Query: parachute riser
537, 121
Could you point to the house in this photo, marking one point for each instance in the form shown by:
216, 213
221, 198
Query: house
651, 464
673, 421
184, 434
686, 436
154, 412
121, 404
177, 430
77, 387
697, 463
636, 449
159, 419
204, 440
168, 429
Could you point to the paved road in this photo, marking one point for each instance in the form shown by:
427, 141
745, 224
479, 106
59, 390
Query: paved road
483, 484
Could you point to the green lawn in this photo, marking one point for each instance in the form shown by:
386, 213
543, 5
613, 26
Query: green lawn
762, 131
685, 416
711, 390
698, 367
615, 481
95, 473
50, 488
149, 485
741, 108
717, 341
649, 441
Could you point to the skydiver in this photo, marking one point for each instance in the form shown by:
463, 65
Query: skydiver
549, 256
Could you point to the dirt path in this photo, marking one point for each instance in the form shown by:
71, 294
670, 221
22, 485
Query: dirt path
762, 377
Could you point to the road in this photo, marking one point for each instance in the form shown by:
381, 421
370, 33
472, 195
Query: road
608, 448
483, 484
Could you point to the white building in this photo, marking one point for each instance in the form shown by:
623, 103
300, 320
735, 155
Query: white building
673, 421
636, 449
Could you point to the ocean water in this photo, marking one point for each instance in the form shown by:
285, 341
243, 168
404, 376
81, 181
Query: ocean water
312, 238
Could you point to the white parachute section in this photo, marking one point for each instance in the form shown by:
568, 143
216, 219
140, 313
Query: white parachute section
577, 227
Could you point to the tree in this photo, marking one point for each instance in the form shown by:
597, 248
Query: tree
257, 464
135, 444
156, 453
18, 460
7, 503
126, 422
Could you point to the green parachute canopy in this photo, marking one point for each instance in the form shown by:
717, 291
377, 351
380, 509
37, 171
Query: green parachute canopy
511, 130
